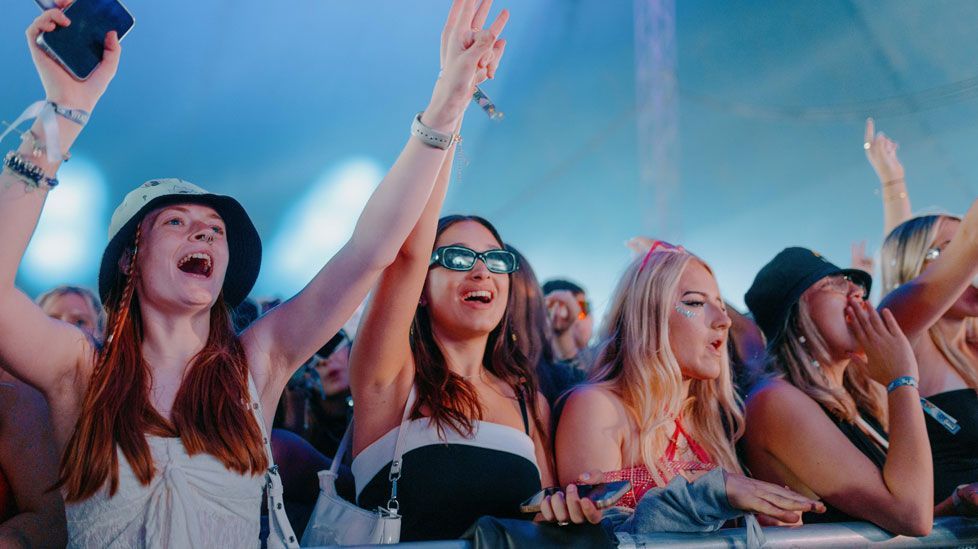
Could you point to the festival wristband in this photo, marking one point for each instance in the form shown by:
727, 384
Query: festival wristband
432, 137
940, 416
901, 382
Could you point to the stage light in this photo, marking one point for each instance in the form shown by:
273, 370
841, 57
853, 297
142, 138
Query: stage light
67, 245
318, 225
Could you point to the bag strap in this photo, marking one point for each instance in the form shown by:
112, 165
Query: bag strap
278, 521
392, 505
341, 450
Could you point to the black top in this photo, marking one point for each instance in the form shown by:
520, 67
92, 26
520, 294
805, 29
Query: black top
448, 483
867, 446
955, 455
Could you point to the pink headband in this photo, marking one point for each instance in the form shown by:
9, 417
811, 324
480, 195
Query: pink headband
661, 246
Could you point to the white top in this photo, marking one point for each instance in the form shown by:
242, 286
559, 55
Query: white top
192, 501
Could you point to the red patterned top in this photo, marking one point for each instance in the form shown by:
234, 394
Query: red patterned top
683, 457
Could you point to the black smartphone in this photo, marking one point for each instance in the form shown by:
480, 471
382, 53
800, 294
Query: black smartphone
603, 495
79, 46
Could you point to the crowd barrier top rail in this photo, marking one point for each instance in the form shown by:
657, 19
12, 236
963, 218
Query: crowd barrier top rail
947, 532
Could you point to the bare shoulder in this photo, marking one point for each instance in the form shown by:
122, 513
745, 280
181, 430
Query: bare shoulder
594, 405
775, 396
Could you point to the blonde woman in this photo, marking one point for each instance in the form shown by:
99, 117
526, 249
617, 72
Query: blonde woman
929, 264
817, 425
660, 404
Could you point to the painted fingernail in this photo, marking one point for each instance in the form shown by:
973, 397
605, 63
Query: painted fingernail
586, 476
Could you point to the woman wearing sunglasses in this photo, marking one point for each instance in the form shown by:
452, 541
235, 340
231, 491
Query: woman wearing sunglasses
817, 425
660, 407
438, 339
930, 269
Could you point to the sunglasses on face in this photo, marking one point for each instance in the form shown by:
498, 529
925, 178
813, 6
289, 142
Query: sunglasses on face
842, 284
460, 258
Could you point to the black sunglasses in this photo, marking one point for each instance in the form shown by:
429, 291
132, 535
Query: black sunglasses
460, 258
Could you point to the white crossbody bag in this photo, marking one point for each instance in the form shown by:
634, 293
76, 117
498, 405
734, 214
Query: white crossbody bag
280, 533
335, 521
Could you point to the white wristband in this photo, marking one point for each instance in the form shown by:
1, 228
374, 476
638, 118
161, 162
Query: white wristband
432, 137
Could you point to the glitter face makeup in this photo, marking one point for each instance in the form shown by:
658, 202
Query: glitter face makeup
684, 311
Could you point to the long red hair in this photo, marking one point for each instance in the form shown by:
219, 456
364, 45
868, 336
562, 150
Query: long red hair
210, 412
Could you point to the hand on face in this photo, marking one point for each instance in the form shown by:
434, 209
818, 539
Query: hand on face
698, 324
888, 353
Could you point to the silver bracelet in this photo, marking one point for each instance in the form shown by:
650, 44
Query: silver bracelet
78, 116
432, 137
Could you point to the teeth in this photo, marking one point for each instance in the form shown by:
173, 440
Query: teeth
198, 255
478, 293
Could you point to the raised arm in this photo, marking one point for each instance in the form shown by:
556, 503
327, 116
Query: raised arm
882, 154
918, 304
294, 330
39, 350
791, 440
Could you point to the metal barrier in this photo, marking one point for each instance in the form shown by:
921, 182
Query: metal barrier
947, 532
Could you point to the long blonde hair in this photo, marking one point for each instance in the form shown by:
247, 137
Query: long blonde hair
794, 356
638, 365
903, 256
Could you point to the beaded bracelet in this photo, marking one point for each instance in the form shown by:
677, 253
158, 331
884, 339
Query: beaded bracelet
32, 174
900, 382
39, 150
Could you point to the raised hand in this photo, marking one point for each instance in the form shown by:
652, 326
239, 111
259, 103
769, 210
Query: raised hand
770, 501
887, 350
59, 86
563, 310
469, 55
881, 152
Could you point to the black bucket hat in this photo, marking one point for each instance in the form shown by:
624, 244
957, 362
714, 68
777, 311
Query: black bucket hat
780, 283
244, 244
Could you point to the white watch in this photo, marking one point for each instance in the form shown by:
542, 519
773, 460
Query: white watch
432, 137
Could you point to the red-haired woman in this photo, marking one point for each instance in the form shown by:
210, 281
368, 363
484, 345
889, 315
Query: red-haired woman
161, 446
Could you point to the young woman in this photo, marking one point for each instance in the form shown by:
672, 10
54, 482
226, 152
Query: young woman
929, 264
660, 403
161, 446
818, 425
439, 327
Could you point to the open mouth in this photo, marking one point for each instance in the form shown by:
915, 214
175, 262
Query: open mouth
717, 344
198, 263
478, 296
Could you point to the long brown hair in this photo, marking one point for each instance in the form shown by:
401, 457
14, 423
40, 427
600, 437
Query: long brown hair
451, 401
210, 411
794, 355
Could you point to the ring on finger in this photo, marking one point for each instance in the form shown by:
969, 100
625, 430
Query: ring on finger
563, 523
867, 145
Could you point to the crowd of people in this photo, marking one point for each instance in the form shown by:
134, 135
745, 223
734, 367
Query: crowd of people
137, 416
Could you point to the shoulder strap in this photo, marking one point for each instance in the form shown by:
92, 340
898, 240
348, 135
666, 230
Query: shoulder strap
278, 521
395, 474
341, 449
520, 396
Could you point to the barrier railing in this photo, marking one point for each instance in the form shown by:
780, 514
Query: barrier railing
947, 532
